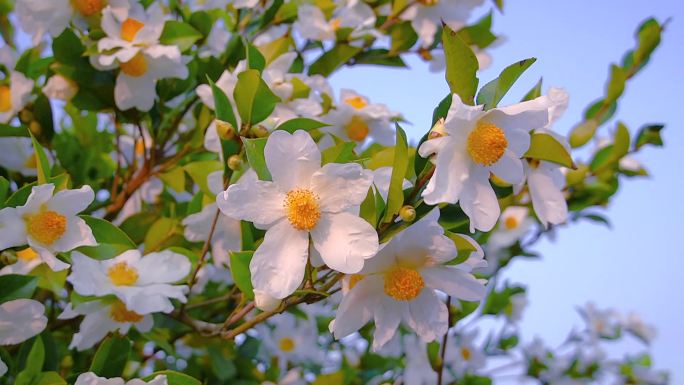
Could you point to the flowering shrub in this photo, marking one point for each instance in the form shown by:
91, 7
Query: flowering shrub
185, 200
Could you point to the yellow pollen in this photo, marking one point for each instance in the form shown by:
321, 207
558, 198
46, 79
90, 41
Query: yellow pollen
130, 28
28, 254
486, 143
357, 129
356, 102
302, 209
46, 227
120, 313
5, 99
354, 279
335, 24
403, 284
121, 274
511, 223
88, 7
466, 353
135, 67
286, 344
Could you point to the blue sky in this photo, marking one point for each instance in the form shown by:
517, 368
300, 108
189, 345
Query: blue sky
636, 265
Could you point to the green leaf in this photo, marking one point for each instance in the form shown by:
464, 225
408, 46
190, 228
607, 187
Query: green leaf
327, 63
34, 364
4, 190
648, 36
395, 196
491, 94
255, 101
42, 164
367, 210
111, 357
616, 84
50, 378
621, 141
603, 158
461, 66
544, 146
175, 179
221, 365
179, 34
340, 153
463, 246
7, 130
254, 148
535, 92
305, 124
223, 107
274, 49
239, 268
16, 286
480, 33
582, 133
199, 172
106, 232
162, 231
649, 134
255, 60
403, 37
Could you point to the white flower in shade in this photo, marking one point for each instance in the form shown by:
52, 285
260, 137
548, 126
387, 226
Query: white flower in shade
401, 282
14, 96
48, 223
312, 23
143, 284
227, 235
516, 305
356, 119
382, 177
102, 317
90, 378
463, 355
513, 225
61, 88
132, 44
290, 339
601, 323
303, 201
148, 192
20, 319
474, 144
16, 154
635, 325
545, 180
27, 260
418, 370
216, 42
427, 15
292, 377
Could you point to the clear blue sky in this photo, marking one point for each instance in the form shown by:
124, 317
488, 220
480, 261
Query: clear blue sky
638, 264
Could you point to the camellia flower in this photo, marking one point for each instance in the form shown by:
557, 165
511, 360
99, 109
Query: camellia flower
635, 325
400, 283
143, 284
20, 319
16, 154
102, 317
312, 24
48, 223
463, 356
427, 15
291, 339
90, 378
14, 96
513, 225
303, 200
356, 119
132, 42
601, 323
474, 143
61, 88
27, 260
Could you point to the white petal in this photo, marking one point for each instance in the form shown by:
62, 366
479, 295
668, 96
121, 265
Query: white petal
139, 92
21, 319
12, 228
509, 168
77, 234
547, 198
461, 117
90, 378
518, 141
454, 282
87, 276
278, 264
3, 368
292, 158
428, 316
479, 202
39, 196
524, 116
259, 202
264, 301
162, 267
344, 241
424, 239
72, 202
451, 171
341, 186
388, 314
93, 329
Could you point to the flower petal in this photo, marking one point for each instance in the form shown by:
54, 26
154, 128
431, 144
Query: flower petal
479, 202
388, 315
454, 282
428, 316
340, 186
162, 267
344, 241
452, 169
259, 202
547, 196
77, 234
357, 307
12, 228
20, 320
292, 158
509, 168
71, 202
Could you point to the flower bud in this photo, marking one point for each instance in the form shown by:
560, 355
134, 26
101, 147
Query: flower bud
437, 130
234, 162
407, 213
259, 131
225, 130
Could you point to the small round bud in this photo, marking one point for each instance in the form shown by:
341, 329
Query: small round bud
225, 130
35, 128
234, 162
425, 54
26, 116
437, 130
407, 213
259, 131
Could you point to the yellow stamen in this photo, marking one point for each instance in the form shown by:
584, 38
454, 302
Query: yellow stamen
5, 99
135, 67
486, 143
46, 227
31, 162
357, 129
466, 354
403, 284
335, 24
356, 102
302, 209
511, 223
88, 7
121, 274
286, 344
354, 279
120, 313
130, 28
28, 254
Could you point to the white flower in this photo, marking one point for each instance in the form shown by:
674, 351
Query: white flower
102, 317
462, 355
304, 200
400, 283
16, 154
48, 223
635, 325
356, 119
418, 370
290, 339
91, 378
601, 323
216, 42
427, 15
61, 88
13, 97
517, 304
148, 192
475, 143
513, 225
382, 177
132, 43
20, 319
143, 284
312, 24
27, 260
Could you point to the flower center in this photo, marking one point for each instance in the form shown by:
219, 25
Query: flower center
28, 254
428, 3
357, 129
335, 24
121, 274
286, 344
354, 279
88, 7
356, 102
511, 223
486, 143
135, 67
302, 209
5, 99
466, 354
403, 284
130, 28
120, 313
46, 227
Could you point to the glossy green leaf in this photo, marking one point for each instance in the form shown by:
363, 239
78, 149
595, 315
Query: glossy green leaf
461, 66
179, 34
305, 124
255, 101
7, 130
16, 286
34, 364
544, 146
367, 210
327, 63
616, 84
621, 141
582, 133
480, 33
254, 148
395, 196
255, 60
535, 92
648, 36
106, 232
200, 170
340, 153
42, 164
111, 357
222, 106
649, 134
161, 232
491, 94
49, 378
239, 268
